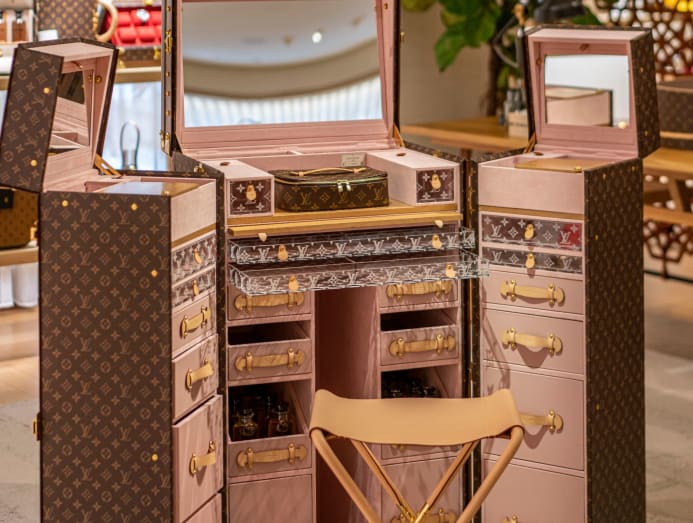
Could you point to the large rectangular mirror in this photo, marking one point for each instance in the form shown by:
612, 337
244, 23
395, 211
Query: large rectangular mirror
279, 61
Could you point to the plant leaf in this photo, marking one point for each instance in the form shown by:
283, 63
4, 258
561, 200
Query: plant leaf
417, 5
589, 18
464, 7
448, 46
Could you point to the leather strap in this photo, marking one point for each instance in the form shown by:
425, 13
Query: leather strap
290, 359
551, 342
189, 325
439, 288
244, 302
193, 376
248, 458
197, 463
400, 347
552, 294
432, 517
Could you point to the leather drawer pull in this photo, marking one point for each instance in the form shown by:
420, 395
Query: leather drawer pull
552, 420
399, 347
290, 359
244, 302
513, 519
193, 376
249, 457
189, 325
197, 463
439, 288
552, 294
439, 517
552, 343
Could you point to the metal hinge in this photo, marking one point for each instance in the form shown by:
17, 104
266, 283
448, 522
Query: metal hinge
36, 426
165, 141
168, 41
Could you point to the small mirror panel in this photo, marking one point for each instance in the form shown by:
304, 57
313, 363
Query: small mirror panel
587, 90
71, 119
279, 61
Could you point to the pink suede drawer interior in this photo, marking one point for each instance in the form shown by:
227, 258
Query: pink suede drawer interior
540, 342
535, 495
538, 395
273, 500
195, 376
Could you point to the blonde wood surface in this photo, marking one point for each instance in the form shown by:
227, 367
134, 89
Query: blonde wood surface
17, 256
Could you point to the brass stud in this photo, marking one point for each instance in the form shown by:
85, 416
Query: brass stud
133, 207
168, 74
596, 236
46, 90
598, 406
168, 112
155, 457
154, 273
65, 203
33, 163
642, 69
98, 79
646, 133
168, 93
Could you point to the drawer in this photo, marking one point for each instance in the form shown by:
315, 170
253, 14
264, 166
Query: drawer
262, 351
534, 496
540, 342
540, 395
268, 455
190, 288
430, 335
272, 500
534, 292
198, 454
195, 376
209, 513
396, 296
532, 260
243, 307
531, 231
416, 481
193, 322
193, 257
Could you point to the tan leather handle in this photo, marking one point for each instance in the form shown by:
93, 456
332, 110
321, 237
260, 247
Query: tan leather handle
552, 343
197, 463
248, 458
243, 302
193, 376
108, 6
439, 288
552, 294
400, 347
441, 516
330, 170
189, 325
290, 359
552, 420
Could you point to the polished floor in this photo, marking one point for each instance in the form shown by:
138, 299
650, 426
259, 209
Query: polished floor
668, 382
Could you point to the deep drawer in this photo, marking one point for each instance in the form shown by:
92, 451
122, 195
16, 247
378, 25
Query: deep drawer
531, 231
194, 256
191, 323
284, 499
538, 342
195, 376
534, 495
531, 260
243, 307
198, 454
267, 455
534, 292
539, 395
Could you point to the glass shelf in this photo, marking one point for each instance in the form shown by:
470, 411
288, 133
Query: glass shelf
360, 272
349, 245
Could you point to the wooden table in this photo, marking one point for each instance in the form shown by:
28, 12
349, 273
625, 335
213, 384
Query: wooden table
18, 256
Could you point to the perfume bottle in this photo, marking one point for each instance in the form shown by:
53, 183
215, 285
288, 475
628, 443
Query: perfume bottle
280, 423
245, 427
429, 391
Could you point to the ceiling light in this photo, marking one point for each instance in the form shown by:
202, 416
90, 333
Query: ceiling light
317, 37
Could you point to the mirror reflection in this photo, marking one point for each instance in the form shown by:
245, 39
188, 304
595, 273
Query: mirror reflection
279, 61
592, 90
71, 121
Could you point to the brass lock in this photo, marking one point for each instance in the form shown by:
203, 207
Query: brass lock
282, 253
436, 183
436, 242
530, 262
250, 193
529, 231
293, 284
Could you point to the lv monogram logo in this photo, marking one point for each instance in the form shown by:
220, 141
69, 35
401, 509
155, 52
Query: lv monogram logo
305, 200
85, 432
84, 259
378, 193
565, 237
497, 256
495, 232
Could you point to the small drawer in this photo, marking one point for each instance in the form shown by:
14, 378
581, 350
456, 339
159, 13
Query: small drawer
209, 513
538, 342
430, 335
284, 499
532, 260
540, 396
401, 296
435, 185
195, 376
416, 482
189, 289
242, 306
198, 454
268, 455
193, 257
534, 292
193, 322
531, 231
534, 495
262, 351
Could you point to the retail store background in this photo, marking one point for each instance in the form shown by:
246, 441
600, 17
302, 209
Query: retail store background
426, 95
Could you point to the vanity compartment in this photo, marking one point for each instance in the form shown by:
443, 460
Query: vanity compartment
291, 498
195, 376
269, 351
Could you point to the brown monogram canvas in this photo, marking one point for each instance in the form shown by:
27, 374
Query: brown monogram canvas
675, 101
645, 94
69, 17
105, 363
18, 214
615, 343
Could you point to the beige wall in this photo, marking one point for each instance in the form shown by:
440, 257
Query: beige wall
426, 93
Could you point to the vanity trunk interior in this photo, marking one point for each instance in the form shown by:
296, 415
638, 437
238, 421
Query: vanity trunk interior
170, 304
